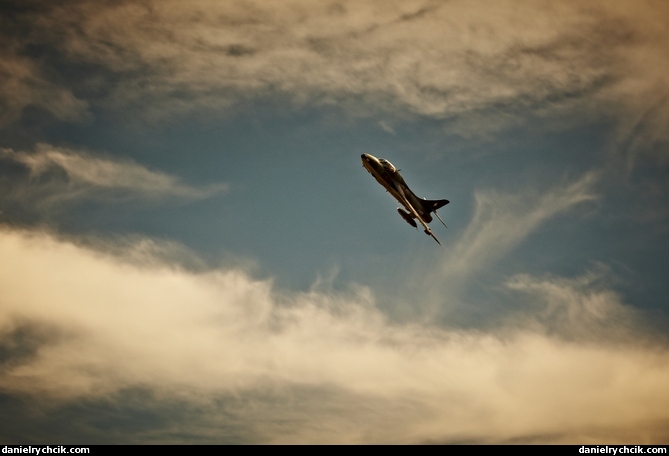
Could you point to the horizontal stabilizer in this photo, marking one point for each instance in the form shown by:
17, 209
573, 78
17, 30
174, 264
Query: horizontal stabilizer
436, 204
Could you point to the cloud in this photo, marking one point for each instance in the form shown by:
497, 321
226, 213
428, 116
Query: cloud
581, 309
233, 358
432, 58
479, 68
59, 174
501, 221
438, 59
23, 84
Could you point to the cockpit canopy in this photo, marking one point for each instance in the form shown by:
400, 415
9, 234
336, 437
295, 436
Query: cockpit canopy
387, 165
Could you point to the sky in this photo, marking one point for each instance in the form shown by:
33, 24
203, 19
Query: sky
192, 252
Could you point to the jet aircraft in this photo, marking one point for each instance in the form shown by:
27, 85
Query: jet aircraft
418, 208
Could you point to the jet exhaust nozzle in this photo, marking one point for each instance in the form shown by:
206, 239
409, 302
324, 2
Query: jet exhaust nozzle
407, 218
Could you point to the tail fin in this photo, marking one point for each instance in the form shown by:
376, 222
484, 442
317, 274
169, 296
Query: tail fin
436, 204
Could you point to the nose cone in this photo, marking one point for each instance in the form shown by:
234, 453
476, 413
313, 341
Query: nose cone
370, 162
368, 158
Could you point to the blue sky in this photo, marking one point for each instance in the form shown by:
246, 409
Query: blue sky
192, 252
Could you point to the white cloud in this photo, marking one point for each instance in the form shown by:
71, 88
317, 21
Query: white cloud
88, 175
580, 309
437, 59
502, 221
484, 67
205, 336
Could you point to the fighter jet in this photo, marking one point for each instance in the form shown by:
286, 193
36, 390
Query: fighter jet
418, 208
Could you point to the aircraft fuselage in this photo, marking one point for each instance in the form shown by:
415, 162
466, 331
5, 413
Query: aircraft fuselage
418, 209
390, 178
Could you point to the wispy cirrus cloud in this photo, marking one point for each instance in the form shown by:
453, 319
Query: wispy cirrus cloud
501, 221
242, 359
58, 175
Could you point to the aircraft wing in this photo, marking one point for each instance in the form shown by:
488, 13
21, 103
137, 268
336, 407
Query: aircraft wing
413, 211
